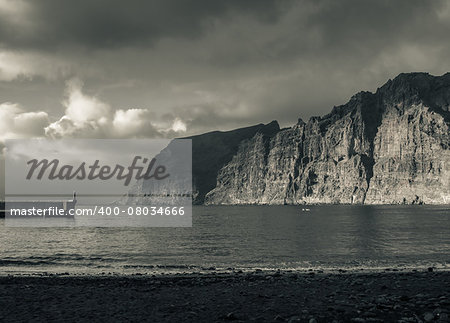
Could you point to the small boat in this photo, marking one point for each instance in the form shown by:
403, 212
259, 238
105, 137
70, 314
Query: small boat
306, 210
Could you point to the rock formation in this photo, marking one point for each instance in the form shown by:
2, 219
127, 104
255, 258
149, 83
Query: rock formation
387, 147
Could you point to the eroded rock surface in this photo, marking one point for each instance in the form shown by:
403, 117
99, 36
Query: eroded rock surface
387, 147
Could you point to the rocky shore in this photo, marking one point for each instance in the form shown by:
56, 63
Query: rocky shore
315, 296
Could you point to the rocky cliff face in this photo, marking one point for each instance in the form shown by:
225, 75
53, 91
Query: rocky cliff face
212, 151
387, 147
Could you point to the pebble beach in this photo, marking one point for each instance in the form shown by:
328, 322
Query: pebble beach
258, 296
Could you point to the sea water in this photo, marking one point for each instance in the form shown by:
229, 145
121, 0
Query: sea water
241, 238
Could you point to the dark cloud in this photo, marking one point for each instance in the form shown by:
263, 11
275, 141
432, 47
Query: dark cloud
214, 64
365, 25
116, 23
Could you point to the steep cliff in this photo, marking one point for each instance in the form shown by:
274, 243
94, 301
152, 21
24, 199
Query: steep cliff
387, 147
212, 151
411, 147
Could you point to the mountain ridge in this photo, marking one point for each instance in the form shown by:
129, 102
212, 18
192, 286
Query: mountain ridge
386, 147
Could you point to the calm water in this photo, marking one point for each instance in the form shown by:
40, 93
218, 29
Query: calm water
241, 237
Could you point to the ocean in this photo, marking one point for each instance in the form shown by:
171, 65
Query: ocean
224, 238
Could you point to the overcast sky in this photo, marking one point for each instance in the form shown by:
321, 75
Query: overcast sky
123, 69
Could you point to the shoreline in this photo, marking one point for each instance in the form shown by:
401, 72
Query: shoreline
162, 271
193, 270
276, 296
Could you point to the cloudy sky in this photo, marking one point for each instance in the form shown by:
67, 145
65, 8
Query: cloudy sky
160, 68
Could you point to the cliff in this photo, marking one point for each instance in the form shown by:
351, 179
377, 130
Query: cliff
212, 151
387, 147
